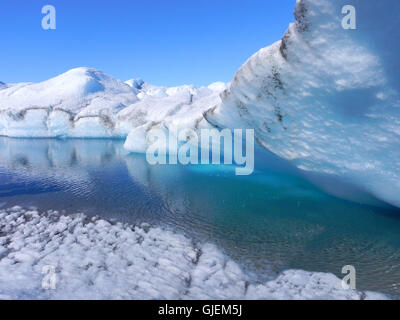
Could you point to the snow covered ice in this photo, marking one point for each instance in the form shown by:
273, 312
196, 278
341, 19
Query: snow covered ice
326, 98
97, 259
87, 103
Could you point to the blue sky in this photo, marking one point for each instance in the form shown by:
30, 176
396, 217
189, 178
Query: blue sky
169, 42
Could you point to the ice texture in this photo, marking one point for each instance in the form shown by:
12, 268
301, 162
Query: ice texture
327, 98
168, 109
97, 259
86, 103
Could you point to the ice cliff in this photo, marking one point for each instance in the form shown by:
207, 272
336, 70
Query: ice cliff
327, 98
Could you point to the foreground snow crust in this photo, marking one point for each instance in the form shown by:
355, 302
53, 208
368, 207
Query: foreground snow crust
97, 259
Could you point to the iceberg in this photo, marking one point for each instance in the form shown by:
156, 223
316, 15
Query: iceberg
79, 103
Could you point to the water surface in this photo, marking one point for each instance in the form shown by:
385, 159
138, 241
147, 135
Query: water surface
269, 221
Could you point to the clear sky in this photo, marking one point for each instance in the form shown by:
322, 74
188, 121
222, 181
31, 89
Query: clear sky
165, 42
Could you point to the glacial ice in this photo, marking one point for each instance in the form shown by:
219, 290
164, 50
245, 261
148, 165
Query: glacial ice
86, 103
97, 259
324, 98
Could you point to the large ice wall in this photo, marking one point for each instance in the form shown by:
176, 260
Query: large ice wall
327, 98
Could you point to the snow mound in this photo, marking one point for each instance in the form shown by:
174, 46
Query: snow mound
174, 109
87, 103
326, 98
171, 109
96, 259
73, 91
81, 102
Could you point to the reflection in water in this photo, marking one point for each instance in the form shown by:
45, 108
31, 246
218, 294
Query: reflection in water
269, 221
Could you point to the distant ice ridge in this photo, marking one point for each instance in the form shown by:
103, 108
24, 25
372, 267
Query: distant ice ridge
87, 103
96, 259
176, 108
325, 98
